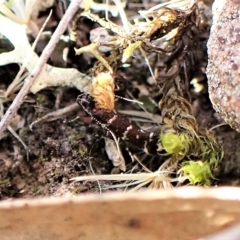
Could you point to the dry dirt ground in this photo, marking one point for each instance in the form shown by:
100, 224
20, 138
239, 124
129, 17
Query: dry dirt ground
70, 147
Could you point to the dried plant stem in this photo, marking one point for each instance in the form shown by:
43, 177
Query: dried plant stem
56, 114
72, 9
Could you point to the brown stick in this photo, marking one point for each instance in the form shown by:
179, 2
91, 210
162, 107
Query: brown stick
72, 9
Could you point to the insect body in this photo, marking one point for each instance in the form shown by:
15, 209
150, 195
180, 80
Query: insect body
120, 125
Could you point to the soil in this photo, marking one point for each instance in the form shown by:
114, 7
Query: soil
73, 145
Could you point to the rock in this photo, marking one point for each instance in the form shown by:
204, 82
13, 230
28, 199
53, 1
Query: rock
223, 69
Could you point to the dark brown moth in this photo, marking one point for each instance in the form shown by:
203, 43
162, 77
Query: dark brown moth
119, 125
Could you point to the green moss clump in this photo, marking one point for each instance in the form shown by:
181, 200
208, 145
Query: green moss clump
204, 149
174, 143
197, 172
41, 99
23, 131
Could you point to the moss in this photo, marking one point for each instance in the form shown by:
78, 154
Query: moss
23, 131
42, 158
41, 99
5, 181
197, 172
174, 143
82, 151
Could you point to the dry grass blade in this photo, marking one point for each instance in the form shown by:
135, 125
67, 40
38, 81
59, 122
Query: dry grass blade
157, 179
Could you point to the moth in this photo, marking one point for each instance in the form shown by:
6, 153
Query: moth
102, 90
119, 125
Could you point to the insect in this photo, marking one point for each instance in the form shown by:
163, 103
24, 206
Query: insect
119, 125
102, 90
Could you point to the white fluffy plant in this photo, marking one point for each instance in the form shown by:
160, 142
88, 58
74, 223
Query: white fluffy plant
16, 21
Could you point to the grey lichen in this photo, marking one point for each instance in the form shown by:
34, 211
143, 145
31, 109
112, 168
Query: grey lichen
224, 61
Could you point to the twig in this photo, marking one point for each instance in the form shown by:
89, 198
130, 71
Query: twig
56, 114
11, 130
99, 185
72, 9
